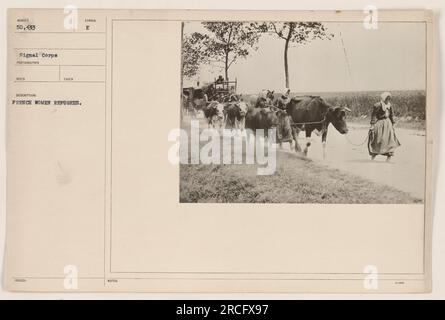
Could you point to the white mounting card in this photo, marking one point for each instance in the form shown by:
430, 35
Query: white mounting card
219, 151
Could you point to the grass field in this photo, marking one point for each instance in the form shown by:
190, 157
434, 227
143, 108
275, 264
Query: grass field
409, 106
295, 181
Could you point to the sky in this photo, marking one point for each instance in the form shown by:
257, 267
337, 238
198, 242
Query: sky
389, 58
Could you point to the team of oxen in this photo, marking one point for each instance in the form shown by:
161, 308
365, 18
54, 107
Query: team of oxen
305, 113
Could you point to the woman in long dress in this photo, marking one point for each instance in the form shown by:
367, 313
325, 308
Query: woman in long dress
284, 132
382, 137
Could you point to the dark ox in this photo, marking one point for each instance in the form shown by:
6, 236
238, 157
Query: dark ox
214, 113
310, 113
261, 118
235, 114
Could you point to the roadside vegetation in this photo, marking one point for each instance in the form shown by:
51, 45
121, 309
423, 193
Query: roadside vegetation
296, 180
409, 106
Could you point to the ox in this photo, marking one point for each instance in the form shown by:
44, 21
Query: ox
261, 118
214, 113
313, 113
236, 115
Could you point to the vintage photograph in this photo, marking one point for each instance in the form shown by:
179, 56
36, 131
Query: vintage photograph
201, 151
303, 112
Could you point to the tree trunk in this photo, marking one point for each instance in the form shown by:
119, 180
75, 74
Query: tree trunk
286, 48
227, 51
286, 66
226, 66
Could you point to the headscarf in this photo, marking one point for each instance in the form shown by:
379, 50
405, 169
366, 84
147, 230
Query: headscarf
284, 92
383, 96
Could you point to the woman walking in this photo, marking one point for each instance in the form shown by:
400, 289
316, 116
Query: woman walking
382, 137
284, 132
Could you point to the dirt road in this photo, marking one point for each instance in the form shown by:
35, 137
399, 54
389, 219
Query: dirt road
405, 172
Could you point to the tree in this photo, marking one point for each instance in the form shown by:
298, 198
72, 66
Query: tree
229, 41
296, 32
192, 54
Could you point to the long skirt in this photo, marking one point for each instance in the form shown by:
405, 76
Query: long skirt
284, 130
383, 140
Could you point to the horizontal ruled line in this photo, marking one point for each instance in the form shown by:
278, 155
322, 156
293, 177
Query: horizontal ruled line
57, 81
63, 32
57, 65
59, 48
